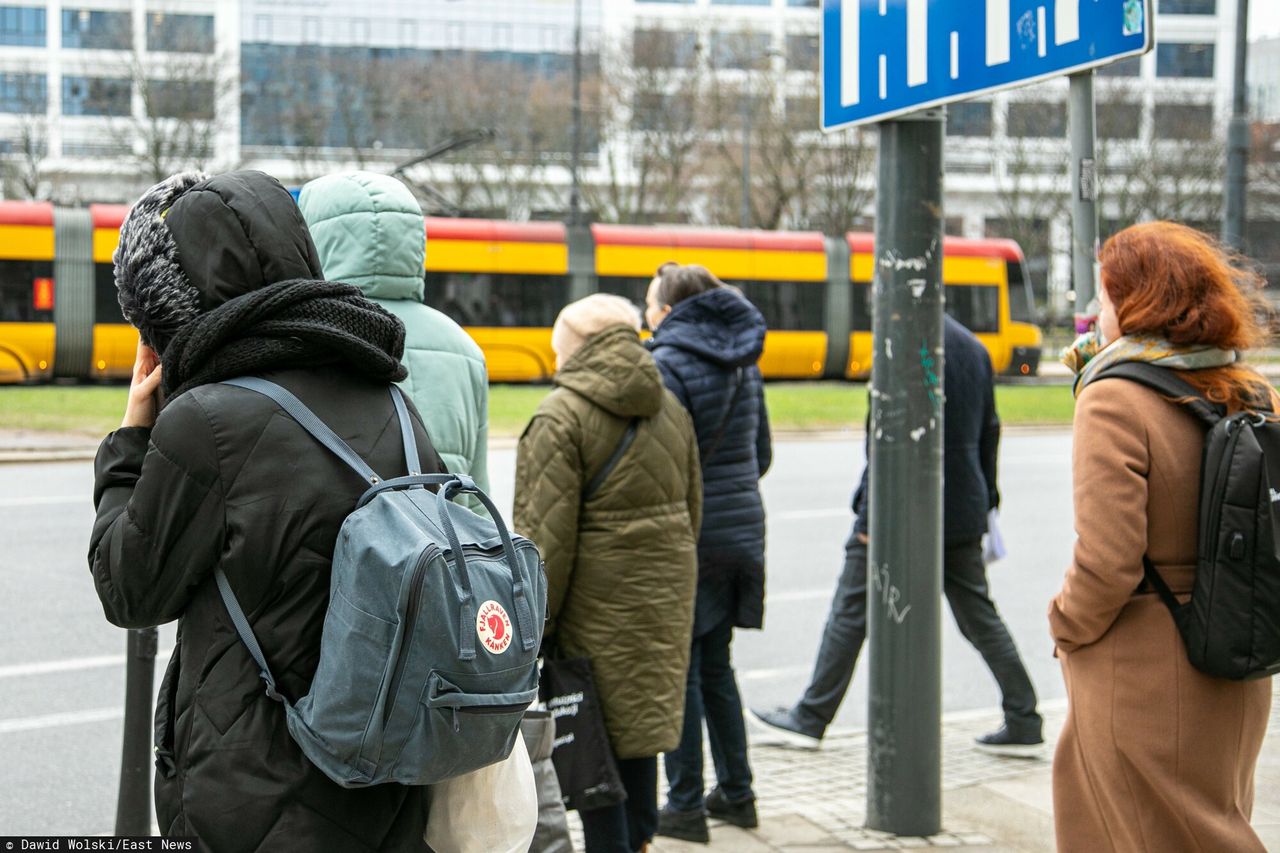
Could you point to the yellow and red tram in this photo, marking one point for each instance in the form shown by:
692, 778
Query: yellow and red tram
505, 282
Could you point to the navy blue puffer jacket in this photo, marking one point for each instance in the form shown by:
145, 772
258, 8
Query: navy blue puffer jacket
706, 348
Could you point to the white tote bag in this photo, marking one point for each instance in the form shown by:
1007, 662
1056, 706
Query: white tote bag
993, 547
490, 810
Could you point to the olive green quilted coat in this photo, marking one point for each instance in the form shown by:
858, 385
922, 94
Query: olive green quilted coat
622, 567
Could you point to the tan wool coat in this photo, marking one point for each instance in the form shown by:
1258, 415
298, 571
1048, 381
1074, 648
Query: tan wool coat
1155, 755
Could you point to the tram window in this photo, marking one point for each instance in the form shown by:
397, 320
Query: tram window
495, 299
860, 307
17, 291
631, 288
1021, 305
976, 306
106, 301
788, 305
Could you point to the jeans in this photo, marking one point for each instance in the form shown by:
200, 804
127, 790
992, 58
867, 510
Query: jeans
711, 692
627, 826
964, 581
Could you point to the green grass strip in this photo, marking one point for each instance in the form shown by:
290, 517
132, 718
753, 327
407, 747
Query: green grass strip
793, 406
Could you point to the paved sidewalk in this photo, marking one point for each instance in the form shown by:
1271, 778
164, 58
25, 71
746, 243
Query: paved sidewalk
29, 445
815, 802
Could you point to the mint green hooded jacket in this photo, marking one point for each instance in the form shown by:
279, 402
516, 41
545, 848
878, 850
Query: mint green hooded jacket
369, 232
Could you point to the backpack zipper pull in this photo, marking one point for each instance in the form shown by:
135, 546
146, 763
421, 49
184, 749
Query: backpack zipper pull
456, 728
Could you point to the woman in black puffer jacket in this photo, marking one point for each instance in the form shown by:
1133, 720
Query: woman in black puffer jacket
220, 277
707, 339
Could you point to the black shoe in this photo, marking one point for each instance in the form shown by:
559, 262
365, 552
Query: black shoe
737, 812
687, 826
783, 725
1005, 742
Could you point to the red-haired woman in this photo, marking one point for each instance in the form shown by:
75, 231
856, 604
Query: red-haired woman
1155, 755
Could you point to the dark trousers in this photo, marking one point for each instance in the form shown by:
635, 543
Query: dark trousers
964, 581
627, 826
711, 693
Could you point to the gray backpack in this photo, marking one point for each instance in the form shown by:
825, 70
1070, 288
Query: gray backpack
428, 653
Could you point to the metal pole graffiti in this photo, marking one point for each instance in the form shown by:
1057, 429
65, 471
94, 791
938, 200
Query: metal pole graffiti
904, 773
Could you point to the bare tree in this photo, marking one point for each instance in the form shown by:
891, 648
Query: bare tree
1176, 176
1032, 188
797, 176
21, 165
176, 124
652, 120
506, 176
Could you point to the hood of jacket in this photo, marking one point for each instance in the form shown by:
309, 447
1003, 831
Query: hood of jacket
369, 231
720, 325
614, 371
237, 233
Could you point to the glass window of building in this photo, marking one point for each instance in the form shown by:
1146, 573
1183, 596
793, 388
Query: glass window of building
95, 96
807, 4
1188, 7
1184, 59
1131, 67
95, 30
181, 33
1037, 119
802, 52
359, 30
673, 2
664, 49
181, 99
1183, 121
22, 26
744, 50
24, 93
1119, 120
969, 118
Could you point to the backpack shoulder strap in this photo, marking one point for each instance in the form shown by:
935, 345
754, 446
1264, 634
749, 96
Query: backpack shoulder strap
1165, 381
739, 380
320, 431
628, 436
241, 623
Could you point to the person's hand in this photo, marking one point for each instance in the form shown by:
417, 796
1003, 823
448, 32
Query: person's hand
864, 539
141, 409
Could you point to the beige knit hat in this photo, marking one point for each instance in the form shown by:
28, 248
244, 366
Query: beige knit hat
589, 316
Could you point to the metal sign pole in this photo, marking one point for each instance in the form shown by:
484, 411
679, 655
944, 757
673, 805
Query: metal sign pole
1084, 196
1235, 207
133, 801
904, 766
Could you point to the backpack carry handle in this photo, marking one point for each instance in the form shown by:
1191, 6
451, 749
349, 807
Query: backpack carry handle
451, 485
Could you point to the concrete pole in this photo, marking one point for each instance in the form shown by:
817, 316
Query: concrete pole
1234, 209
1084, 196
904, 767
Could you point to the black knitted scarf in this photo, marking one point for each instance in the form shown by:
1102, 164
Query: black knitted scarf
291, 324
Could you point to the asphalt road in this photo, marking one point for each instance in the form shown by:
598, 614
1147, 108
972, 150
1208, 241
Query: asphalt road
62, 665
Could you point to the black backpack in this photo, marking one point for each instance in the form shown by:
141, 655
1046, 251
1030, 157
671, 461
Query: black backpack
1231, 625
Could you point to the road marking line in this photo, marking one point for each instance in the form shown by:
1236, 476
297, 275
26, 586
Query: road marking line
23, 670
70, 718
48, 499
793, 514
775, 672
797, 595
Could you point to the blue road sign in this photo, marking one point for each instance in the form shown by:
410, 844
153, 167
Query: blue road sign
883, 58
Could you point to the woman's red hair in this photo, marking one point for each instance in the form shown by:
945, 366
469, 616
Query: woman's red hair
1176, 283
